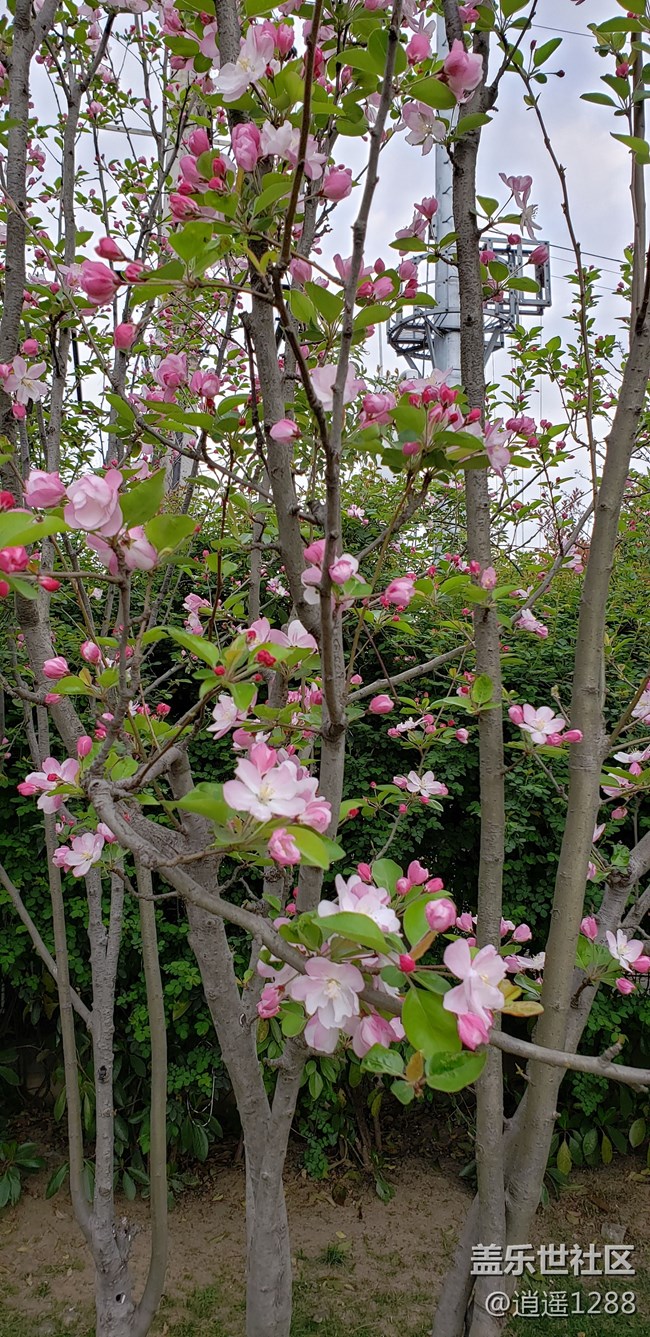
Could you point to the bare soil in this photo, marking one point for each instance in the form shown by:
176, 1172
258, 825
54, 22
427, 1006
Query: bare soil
357, 1260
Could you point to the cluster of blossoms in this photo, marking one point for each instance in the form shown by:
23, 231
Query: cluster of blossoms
628, 953
92, 506
543, 726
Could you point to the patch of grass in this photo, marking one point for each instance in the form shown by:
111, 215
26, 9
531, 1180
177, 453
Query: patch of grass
335, 1254
14, 1324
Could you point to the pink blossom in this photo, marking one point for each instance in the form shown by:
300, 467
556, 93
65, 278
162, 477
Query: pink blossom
99, 282
23, 382
86, 850
93, 504
323, 379
371, 1030
400, 591
300, 269
198, 141
527, 622
377, 408
440, 915
516, 714
495, 441
105, 831
255, 53
642, 965
43, 489
473, 1030
425, 128
463, 71
246, 145
337, 183
466, 922
171, 372
416, 873
54, 773
522, 933
225, 716
362, 898
139, 553
488, 578
623, 949
282, 848
462, 736
56, 668
477, 994
330, 994
30, 347
207, 384
343, 569
285, 430
381, 705
625, 986
426, 785
299, 637
84, 745
589, 928
269, 1003
263, 788
541, 722
419, 48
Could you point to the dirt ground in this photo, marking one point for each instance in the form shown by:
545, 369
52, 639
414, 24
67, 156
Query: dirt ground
356, 1261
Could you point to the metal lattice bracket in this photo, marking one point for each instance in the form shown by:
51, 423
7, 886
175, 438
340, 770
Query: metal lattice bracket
415, 337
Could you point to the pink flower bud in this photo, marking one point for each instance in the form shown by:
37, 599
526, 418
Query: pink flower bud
109, 250
416, 873
572, 736
90, 652
52, 699
434, 885
337, 183
198, 141
472, 1030
516, 714
56, 668
407, 964
462, 736
84, 745
123, 335
285, 430
30, 347
642, 965
625, 986
356, 679
402, 886
26, 789
539, 256
381, 705
440, 915
522, 933
589, 927
365, 872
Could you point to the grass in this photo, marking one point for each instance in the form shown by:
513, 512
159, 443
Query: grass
597, 1324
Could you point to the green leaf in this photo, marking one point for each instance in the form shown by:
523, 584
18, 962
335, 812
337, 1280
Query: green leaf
433, 93
207, 800
379, 1059
469, 123
18, 528
415, 923
196, 645
385, 873
167, 531
637, 1132
521, 284
143, 501
271, 194
403, 1091
317, 851
482, 689
328, 304
563, 1159
71, 686
292, 1020
606, 1150
639, 147
602, 99
128, 1186
452, 1072
200, 1142
301, 306
243, 694
356, 927
428, 1026
590, 1142
56, 1181
192, 239
542, 53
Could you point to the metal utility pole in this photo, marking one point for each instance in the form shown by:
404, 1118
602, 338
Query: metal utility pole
446, 337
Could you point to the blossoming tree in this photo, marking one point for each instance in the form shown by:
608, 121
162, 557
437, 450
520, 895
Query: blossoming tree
213, 342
